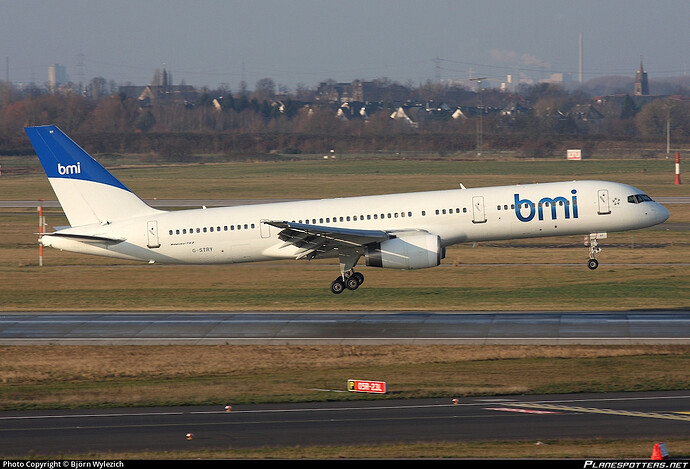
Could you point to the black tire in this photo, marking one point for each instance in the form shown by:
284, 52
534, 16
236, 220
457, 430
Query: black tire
352, 283
337, 286
592, 264
359, 277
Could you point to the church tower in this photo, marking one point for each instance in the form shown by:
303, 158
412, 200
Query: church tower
641, 84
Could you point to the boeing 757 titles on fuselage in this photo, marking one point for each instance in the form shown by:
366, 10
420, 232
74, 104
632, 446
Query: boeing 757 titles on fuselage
396, 231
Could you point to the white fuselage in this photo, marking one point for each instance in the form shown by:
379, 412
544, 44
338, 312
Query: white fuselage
239, 234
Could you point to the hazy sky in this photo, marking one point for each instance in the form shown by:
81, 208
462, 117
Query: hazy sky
209, 42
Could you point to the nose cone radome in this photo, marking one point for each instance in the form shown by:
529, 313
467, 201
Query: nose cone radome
661, 213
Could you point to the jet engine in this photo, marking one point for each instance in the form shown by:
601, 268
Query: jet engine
417, 250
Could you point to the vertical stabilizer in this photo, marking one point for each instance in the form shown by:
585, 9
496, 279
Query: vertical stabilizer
87, 192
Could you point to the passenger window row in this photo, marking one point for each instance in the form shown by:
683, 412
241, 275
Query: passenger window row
211, 229
314, 221
375, 216
450, 211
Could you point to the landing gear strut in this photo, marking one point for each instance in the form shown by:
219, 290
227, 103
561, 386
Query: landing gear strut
352, 281
594, 249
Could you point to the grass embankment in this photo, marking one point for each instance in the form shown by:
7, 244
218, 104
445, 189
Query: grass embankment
116, 376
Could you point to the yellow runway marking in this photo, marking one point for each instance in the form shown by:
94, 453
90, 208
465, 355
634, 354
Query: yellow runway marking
593, 410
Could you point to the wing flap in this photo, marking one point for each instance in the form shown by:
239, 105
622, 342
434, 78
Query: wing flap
315, 240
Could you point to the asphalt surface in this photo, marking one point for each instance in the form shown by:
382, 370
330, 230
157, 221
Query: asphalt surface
653, 416
364, 327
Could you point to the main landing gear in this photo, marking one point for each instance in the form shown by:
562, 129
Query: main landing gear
352, 281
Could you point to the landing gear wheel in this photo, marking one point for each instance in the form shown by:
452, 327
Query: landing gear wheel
337, 286
352, 282
592, 264
359, 277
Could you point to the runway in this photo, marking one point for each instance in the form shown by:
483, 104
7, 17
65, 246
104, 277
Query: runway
653, 416
377, 420
356, 327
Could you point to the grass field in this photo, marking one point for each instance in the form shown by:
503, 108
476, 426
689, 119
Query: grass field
641, 269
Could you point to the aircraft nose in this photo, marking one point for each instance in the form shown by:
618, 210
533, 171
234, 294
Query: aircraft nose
662, 213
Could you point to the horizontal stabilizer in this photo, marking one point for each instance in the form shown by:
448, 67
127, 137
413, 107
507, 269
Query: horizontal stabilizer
87, 238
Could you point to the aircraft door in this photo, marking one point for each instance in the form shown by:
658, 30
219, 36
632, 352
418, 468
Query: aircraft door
265, 229
153, 241
603, 202
478, 213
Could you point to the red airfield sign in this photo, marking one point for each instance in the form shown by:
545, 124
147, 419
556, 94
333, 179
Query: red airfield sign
356, 385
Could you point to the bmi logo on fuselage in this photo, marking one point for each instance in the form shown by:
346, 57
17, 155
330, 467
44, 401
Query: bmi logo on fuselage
545, 202
64, 170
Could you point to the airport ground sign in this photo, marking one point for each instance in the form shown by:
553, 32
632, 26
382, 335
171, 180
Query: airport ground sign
355, 385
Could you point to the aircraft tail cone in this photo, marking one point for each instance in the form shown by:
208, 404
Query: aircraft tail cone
659, 452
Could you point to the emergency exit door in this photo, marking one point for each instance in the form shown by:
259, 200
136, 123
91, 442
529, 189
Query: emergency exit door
478, 213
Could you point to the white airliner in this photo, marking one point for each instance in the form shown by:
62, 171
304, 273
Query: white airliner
397, 231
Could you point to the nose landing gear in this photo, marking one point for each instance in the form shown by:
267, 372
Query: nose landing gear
594, 249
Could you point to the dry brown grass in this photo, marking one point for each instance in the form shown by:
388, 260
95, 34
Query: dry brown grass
91, 376
36, 364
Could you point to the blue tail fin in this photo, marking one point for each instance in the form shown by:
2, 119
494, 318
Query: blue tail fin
87, 192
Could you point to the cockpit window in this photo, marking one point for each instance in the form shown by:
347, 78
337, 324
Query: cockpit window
639, 198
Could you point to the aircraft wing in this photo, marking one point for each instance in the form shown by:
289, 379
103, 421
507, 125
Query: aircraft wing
315, 241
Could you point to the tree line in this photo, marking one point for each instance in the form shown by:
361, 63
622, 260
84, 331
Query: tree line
538, 120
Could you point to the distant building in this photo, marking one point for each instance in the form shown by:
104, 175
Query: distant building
57, 75
343, 92
161, 91
641, 83
360, 91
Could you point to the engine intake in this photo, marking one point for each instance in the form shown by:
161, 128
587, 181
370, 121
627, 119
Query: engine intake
406, 251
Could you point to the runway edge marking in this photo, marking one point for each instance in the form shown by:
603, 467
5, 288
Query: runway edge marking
593, 410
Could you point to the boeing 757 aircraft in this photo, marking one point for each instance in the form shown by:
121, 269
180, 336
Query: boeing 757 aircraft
395, 231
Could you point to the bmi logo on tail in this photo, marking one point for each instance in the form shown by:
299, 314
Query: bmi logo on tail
69, 169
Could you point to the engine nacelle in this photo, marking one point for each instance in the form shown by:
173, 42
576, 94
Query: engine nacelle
406, 251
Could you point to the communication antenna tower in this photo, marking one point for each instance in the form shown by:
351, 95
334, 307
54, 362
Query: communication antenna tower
80, 67
480, 109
